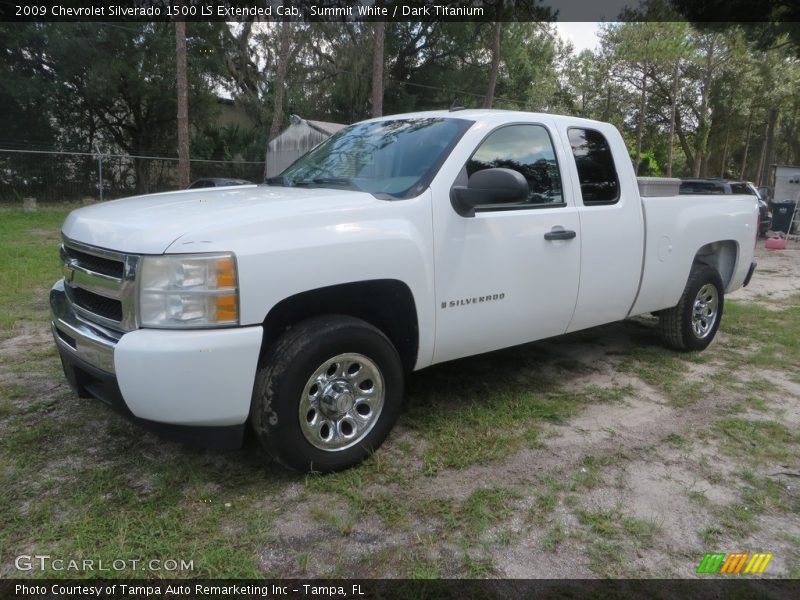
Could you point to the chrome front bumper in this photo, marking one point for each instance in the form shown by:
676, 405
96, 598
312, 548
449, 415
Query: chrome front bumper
87, 353
87, 341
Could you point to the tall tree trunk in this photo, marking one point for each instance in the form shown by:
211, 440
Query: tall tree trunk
673, 110
640, 123
704, 165
489, 100
377, 69
769, 150
281, 66
687, 150
762, 158
704, 127
725, 152
792, 142
747, 143
183, 105
141, 171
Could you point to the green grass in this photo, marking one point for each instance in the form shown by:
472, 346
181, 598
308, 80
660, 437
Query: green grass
642, 531
135, 508
485, 418
759, 495
588, 476
698, 498
615, 525
79, 481
545, 502
759, 442
553, 538
602, 523
486, 507
30, 265
606, 558
755, 337
665, 371
774, 333
611, 535
676, 441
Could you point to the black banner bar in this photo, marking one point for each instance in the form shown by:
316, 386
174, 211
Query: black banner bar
380, 589
399, 10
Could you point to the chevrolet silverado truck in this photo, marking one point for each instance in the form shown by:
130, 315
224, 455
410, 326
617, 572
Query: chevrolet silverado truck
298, 306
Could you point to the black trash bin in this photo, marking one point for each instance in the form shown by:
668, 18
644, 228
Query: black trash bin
782, 216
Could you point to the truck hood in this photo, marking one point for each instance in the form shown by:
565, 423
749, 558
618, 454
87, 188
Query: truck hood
151, 224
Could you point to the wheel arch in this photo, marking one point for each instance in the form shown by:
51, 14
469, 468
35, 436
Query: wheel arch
722, 256
387, 304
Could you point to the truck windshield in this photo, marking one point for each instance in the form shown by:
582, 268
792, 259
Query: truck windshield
394, 159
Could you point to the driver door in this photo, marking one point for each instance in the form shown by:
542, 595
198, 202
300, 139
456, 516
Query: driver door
502, 277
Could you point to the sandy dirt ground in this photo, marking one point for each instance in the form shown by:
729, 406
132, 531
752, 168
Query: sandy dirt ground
777, 275
659, 465
640, 468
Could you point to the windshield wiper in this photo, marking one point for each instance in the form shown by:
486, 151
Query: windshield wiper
345, 181
276, 180
334, 181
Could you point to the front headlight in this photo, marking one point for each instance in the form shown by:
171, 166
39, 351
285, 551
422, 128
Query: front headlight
188, 290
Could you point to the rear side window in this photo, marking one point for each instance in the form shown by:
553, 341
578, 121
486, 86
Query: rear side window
596, 171
702, 187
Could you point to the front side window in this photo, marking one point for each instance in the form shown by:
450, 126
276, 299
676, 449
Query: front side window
396, 158
596, 171
527, 149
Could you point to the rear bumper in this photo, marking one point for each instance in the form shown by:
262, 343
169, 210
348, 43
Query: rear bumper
191, 386
750, 272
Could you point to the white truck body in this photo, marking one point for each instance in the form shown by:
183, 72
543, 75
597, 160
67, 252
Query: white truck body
478, 283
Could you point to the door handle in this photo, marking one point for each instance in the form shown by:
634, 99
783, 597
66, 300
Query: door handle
561, 234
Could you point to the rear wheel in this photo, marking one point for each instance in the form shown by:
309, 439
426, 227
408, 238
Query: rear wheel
327, 394
694, 321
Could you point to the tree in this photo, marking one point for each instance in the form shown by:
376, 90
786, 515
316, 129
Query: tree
776, 27
377, 69
495, 65
245, 81
115, 86
279, 83
25, 93
640, 50
183, 105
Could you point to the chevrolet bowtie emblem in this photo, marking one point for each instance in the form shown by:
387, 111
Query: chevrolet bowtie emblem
69, 270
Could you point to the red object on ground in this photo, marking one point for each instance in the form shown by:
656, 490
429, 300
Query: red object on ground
776, 243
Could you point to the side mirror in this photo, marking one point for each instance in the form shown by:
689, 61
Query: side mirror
490, 186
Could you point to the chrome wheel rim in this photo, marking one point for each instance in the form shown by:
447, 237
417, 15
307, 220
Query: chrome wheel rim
341, 402
705, 311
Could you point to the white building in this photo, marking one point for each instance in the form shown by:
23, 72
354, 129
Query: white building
297, 139
787, 184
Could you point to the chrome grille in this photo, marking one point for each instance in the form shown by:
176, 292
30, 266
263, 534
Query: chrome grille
98, 264
107, 308
100, 284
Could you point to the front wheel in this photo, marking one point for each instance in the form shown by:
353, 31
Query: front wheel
694, 321
327, 394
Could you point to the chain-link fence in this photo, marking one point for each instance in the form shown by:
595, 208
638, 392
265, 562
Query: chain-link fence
53, 176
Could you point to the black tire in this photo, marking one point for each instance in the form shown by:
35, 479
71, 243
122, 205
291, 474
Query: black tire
282, 383
678, 325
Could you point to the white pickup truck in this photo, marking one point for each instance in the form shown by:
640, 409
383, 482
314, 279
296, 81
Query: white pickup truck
400, 242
